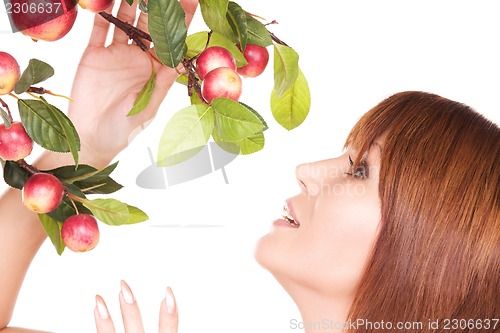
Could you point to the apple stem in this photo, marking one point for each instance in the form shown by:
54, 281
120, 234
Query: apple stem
71, 197
8, 110
131, 31
41, 91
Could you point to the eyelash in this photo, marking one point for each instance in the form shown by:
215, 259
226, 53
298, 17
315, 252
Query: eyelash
360, 172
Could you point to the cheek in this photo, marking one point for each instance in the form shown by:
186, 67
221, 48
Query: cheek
337, 243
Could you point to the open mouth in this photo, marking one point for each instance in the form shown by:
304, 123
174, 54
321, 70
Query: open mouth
287, 215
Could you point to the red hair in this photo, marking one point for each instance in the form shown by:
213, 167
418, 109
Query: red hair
437, 256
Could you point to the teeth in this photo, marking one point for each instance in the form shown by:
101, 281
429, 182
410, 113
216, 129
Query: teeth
286, 214
288, 217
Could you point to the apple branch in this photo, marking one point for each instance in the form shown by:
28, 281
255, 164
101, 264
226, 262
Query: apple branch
273, 36
28, 167
132, 32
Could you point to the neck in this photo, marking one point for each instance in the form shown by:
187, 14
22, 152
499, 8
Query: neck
320, 313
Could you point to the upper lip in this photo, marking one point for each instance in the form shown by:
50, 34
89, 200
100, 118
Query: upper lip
289, 214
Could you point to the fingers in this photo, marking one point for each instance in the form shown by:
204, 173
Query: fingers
169, 318
132, 320
99, 31
190, 9
103, 321
126, 13
142, 24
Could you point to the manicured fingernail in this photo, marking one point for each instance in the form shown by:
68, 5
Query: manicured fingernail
101, 307
170, 301
127, 293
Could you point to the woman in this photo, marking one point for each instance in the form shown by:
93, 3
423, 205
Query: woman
402, 228
400, 233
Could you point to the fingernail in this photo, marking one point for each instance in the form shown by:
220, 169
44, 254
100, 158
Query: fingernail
101, 307
127, 293
170, 301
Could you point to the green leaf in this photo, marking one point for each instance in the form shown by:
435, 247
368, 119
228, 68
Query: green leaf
196, 44
286, 68
257, 33
5, 117
252, 144
109, 211
187, 130
182, 79
237, 19
14, 175
145, 94
130, 2
36, 72
234, 121
49, 127
72, 173
167, 26
136, 215
67, 207
257, 114
249, 145
292, 107
88, 179
214, 14
53, 230
143, 6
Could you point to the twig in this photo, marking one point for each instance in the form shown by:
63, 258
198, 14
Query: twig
8, 110
132, 32
28, 167
273, 36
41, 91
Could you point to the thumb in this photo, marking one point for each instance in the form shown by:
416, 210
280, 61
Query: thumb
169, 319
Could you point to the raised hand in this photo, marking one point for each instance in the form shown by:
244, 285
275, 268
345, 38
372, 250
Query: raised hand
107, 81
131, 316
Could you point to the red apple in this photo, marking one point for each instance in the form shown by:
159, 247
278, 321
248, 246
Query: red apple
80, 232
95, 5
214, 57
9, 73
257, 58
15, 144
42, 192
47, 20
221, 82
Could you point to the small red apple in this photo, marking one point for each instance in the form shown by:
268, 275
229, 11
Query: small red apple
15, 144
95, 5
43, 192
214, 57
221, 82
47, 20
257, 58
80, 232
9, 73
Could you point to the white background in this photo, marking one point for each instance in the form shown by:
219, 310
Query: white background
354, 54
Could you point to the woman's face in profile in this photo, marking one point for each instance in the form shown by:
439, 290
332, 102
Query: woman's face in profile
339, 212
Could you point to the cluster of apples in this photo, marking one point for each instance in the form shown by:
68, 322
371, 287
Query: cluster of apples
42, 192
50, 20
216, 68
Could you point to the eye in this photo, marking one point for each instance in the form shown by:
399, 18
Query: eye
361, 171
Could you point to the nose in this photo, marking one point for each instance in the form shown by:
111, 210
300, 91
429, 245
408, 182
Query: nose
313, 176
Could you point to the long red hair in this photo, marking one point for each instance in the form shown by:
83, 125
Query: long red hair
437, 256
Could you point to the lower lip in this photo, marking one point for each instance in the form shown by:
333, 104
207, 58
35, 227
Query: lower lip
281, 223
